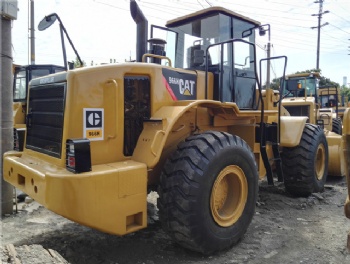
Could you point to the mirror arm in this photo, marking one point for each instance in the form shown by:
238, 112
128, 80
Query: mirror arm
70, 41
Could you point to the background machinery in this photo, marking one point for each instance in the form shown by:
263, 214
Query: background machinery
301, 98
330, 97
22, 74
188, 119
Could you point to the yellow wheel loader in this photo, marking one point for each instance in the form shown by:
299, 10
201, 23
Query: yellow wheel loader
188, 119
346, 150
303, 97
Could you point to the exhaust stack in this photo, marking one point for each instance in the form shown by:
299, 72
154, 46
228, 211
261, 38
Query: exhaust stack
142, 30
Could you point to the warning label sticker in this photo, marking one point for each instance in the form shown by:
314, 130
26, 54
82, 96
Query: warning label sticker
93, 123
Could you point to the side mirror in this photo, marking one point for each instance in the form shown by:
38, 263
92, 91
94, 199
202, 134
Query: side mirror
47, 21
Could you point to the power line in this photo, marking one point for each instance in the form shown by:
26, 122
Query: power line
341, 17
339, 29
284, 4
102, 3
166, 7
208, 3
200, 3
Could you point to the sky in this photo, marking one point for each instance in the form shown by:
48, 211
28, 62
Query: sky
102, 30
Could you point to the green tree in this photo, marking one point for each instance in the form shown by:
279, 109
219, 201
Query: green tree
77, 63
324, 80
275, 84
345, 91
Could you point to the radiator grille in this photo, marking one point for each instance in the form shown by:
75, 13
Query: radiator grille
300, 110
136, 109
45, 118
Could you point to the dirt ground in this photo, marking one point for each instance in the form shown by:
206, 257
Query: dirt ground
284, 230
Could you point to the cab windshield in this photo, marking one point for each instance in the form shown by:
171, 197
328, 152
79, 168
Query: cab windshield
20, 85
328, 97
215, 42
299, 87
197, 36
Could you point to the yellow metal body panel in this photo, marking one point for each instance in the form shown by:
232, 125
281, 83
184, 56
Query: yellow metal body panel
341, 110
270, 98
346, 151
336, 159
291, 130
18, 115
303, 101
327, 115
347, 206
110, 198
177, 122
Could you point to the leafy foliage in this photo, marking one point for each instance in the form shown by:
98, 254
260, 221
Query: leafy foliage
323, 81
345, 91
326, 81
275, 84
77, 63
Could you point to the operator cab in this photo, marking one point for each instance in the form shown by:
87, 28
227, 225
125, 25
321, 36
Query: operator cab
23, 75
329, 96
301, 85
197, 42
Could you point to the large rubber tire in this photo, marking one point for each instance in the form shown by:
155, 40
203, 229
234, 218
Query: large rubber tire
337, 126
305, 167
208, 190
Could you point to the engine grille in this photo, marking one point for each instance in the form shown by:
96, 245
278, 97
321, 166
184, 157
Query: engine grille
300, 110
136, 109
45, 118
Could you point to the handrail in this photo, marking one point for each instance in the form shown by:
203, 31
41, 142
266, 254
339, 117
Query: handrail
144, 56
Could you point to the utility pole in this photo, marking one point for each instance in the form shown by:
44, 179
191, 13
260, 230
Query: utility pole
8, 12
319, 15
32, 34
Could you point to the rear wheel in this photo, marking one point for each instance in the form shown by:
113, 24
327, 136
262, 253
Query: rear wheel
208, 190
337, 126
305, 166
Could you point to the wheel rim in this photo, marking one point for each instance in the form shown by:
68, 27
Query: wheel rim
229, 196
320, 161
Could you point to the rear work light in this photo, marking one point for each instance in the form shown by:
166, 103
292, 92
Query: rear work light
78, 156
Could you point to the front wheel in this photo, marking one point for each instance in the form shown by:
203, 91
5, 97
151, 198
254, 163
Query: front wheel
337, 126
305, 167
208, 190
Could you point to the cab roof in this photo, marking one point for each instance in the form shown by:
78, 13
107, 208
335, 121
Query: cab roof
208, 12
304, 74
